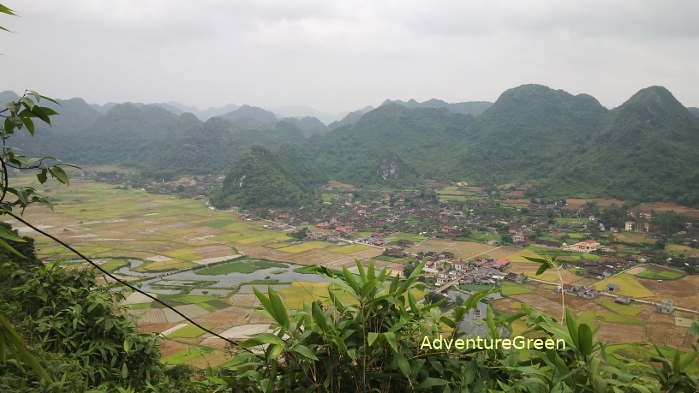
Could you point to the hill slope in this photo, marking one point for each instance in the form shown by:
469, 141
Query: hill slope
258, 179
648, 152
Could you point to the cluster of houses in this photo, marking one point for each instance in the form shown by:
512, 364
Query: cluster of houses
579, 290
445, 269
664, 307
380, 215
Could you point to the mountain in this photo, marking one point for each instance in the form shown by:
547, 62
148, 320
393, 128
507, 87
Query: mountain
201, 114
566, 145
526, 133
467, 108
309, 125
694, 111
418, 140
646, 153
350, 118
301, 111
301, 163
250, 117
259, 179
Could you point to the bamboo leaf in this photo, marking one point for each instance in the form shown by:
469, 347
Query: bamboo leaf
304, 351
391, 340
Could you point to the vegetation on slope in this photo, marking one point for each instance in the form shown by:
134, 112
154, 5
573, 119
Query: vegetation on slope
259, 179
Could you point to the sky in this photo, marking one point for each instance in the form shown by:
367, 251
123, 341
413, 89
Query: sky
338, 56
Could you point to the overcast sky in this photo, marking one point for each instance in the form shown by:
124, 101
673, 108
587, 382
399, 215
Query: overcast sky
341, 55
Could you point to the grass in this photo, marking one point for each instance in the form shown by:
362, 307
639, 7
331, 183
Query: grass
164, 266
186, 355
629, 310
628, 286
279, 245
186, 254
114, 264
349, 249
240, 266
189, 331
459, 198
187, 299
305, 246
483, 237
618, 318
633, 238
655, 274
537, 252
328, 197
218, 223
678, 249
509, 289
140, 306
393, 259
213, 305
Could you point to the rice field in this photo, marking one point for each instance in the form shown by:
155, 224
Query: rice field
349, 249
188, 331
629, 310
240, 266
657, 274
509, 289
305, 246
460, 249
628, 286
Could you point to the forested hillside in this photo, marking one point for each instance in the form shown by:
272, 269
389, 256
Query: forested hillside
648, 151
564, 144
260, 179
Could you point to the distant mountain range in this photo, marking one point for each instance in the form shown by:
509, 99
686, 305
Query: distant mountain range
566, 145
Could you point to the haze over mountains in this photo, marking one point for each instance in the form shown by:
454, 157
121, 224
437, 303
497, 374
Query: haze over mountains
566, 145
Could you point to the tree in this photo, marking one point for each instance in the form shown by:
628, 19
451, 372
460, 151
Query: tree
668, 222
299, 234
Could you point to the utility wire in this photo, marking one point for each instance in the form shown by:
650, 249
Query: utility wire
122, 282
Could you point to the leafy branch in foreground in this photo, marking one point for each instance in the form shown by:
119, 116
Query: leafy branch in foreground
556, 264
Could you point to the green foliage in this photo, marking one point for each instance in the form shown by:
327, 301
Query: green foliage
259, 179
77, 328
373, 343
240, 266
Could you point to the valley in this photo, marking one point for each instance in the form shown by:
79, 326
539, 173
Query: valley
206, 262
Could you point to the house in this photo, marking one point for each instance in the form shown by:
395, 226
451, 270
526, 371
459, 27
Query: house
430, 270
613, 288
665, 307
395, 252
458, 265
397, 271
518, 278
630, 226
518, 238
622, 299
499, 264
584, 246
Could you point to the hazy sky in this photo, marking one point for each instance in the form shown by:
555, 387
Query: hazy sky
342, 55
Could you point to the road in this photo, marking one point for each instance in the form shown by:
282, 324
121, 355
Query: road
615, 296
